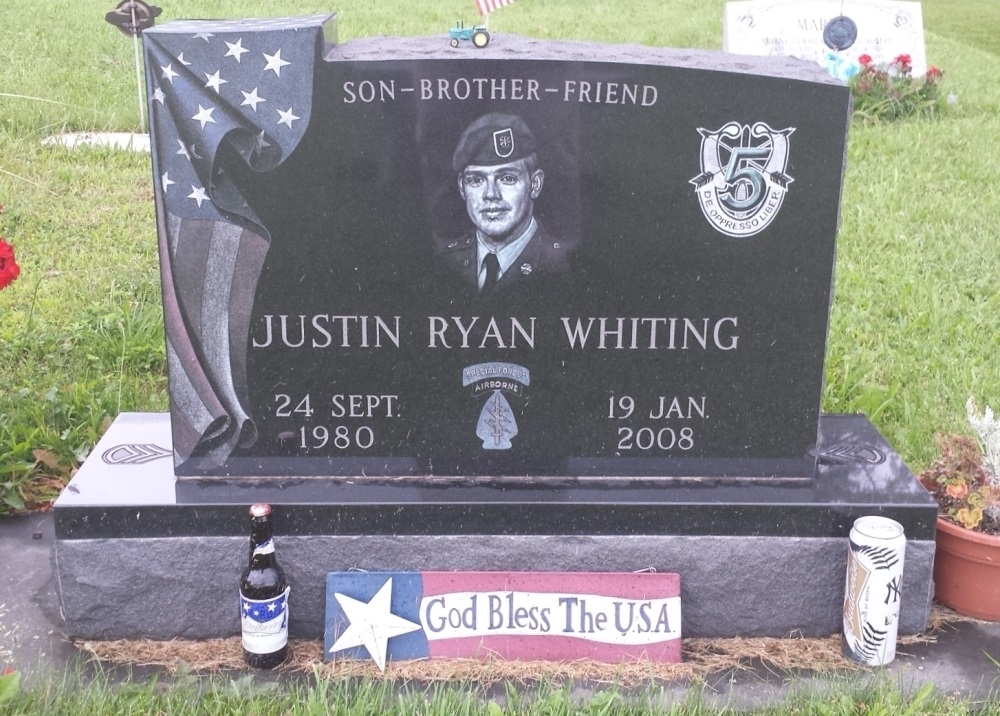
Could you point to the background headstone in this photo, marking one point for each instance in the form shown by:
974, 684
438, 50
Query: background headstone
886, 29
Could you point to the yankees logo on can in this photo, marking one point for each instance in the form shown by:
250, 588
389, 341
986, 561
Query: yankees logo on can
871, 597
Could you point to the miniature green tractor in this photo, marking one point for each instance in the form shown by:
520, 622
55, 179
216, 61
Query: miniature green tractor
479, 35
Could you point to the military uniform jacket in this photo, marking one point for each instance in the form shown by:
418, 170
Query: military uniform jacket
542, 258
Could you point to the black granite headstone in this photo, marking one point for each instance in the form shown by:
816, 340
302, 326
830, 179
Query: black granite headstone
666, 223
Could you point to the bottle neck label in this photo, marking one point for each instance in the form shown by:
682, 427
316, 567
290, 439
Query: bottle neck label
264, 623
264, 548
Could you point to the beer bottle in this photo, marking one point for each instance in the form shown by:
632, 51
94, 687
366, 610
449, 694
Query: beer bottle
263, 597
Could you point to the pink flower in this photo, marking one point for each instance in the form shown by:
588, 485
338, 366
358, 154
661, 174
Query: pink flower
865, 60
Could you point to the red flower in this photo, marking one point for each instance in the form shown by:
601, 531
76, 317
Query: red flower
934, 74
865, 60
9, 270
903, 61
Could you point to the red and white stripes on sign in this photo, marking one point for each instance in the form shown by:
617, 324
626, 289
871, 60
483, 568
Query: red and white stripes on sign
485, 7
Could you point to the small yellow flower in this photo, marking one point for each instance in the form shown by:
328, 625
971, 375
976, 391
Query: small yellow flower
969, 517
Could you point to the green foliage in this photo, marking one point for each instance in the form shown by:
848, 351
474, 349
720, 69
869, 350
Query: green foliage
875, 696
973, 22
915, 325
191, 696
10, 681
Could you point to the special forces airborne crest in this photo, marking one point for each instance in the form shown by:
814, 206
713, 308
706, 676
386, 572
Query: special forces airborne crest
497, 424
742, 182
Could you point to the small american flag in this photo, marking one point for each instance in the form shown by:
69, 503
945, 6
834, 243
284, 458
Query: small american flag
485, 7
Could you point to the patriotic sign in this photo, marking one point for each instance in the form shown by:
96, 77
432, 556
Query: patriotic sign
554, 616
485, 7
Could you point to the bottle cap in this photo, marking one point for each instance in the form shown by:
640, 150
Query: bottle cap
260, 509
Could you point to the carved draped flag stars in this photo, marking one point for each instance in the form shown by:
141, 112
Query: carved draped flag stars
204, 115
236, 49
245, 82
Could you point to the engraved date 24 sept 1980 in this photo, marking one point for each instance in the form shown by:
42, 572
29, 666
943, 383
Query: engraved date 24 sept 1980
343, 406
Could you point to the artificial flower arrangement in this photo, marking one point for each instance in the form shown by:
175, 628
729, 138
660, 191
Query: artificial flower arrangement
888, 91
9, 270
966, 478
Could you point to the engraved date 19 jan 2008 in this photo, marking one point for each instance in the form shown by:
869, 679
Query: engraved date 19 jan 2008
656, 436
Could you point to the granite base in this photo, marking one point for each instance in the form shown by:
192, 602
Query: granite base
132, 561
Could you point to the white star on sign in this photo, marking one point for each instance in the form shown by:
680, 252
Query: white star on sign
204, 35
274, 62
252, 99
183, 151
180, 58
166, 181
214, 81
372, 624
198, 194
287, 117
235, 49
158, 95
168, 72
204, 116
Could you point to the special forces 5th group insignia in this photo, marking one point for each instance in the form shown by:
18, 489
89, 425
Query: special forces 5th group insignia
742, 182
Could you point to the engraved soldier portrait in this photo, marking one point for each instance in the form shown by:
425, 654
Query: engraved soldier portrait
500, 177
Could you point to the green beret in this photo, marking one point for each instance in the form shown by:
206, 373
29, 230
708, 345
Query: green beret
493, 139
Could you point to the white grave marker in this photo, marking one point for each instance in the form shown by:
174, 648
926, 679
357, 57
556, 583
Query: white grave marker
886, 29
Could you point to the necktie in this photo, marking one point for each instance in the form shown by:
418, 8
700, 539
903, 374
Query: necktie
492, 264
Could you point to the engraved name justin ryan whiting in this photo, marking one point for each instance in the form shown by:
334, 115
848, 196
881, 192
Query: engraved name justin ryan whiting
742, 182
496, 425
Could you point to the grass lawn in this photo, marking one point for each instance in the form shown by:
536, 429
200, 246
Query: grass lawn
915, 324
190, 696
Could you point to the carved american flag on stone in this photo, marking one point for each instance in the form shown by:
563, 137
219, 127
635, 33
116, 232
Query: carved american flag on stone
247, 83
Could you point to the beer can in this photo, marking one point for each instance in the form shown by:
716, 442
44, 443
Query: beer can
871, 597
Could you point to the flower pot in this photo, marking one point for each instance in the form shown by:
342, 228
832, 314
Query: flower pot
967, 571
